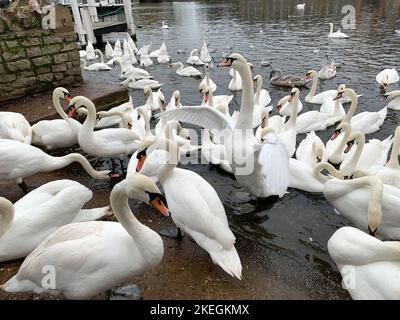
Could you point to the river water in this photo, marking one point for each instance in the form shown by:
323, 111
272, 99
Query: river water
287, 237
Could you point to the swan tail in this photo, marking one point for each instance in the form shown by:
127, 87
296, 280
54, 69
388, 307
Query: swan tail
86, 215
382, 113
229, 261
15, 285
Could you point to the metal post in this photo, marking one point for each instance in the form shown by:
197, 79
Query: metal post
78, 22
129, 17
87, 23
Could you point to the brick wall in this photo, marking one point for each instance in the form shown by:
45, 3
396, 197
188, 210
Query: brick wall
32, 59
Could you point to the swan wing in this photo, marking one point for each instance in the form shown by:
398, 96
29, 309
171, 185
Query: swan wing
203, 116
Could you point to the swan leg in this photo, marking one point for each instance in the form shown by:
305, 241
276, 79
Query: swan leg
23, 187
172, 233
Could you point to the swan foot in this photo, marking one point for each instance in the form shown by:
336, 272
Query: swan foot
23, 187
172, 233
129, 292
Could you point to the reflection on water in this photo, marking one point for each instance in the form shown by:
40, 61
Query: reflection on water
293, 231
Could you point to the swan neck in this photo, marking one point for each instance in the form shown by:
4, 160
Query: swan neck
343, 143
314, 84
353, 106
64, 161
90, 121
393, 162
7, 213
258, 92
328, 167
172, 162
293, 112
57, 105
245, 117
357, 154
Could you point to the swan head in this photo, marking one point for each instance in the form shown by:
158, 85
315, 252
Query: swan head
356, 136
233, 60
147, 92
202, 87
141, 153
177, 96
340, 92
264, 114
142, 188
77, 103
265, 132
343, 126
161, 98
151, 143
385, 81
62, 93
391, 95
310, 75
257, 79
281, 102
206, 92
294, 94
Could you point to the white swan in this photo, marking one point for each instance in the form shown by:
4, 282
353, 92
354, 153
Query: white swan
207, 81
366, 121
175, 101
311, 150
337, 143
106, 143
129, 54
288, 134
194, 59
163, 56
309, 178
164, 26
357, 200
145, 60
14, 126
90, 55
386, 77
260, 168
363, 260
195, 207
83, 253
363, 156
261, 97
214, 153
318, 121
216, 99
311, 97
338, 34
136, 73
204, 54
329, 106
236, 82
117, 49
152, 97
58, 133
19, 160
109, 51
395, 97
284, 107
328, 71
40, 213
98, 66
131, 43
185, 72
132, 83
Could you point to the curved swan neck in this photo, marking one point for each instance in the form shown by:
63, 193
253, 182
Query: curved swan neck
258, 92
174, 156
313, 89
354, 101
245, 117
347, 132
328, 167
360, 139
393, 162
56, 101
101, 55
90, 121
336, 110
7, 213
119, 204
61, 162
293, 112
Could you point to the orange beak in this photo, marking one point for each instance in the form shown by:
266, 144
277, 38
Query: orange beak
71, 111
335, 135
226, 63
206, 98
68, 97
140, 163
160, 206
348, 148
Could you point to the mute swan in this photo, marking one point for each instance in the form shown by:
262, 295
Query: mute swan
328, 71
194, 59
131, 43
19, 160
276, 123
369, 266
164, 26
309, 178
195, 207
288, 134
214, 153
98, 66
175, 101
337, 144
82, 54
356, 200
311, 149
395, 96
129, 54
338, 34
109, 51
145, 48
236, 82
145, 60
106, 143
117, 49
204, 54
266, 169
300, 6
317, 121
284, 107
185, 72
363, 156
124, 63
58, 133
329, 106
14, 126
132, 83
163, 56
367, 122
208, 99
84, 254
216, 99
311, 97
386, 77
261, 97
276, 79
151, 97
136, 73
207, 81
390, 173
90, 55
155, 53
40, 213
